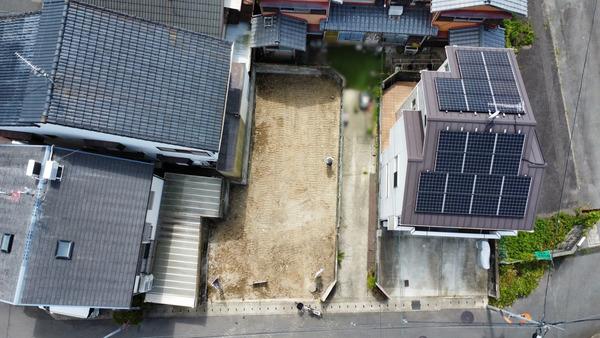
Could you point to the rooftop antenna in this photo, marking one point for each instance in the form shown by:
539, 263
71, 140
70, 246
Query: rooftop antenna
494, 115
37, 71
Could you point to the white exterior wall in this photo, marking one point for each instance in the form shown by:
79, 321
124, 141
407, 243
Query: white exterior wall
393, 159
147, 147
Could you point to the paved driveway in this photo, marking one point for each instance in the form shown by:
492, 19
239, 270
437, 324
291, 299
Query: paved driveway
433, 266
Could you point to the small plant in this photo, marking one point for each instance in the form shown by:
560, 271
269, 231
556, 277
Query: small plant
371, 280
340, 257
519, 33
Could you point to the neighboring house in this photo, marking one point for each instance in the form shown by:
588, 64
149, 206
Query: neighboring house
481, 36
77, 228
310, 11
278, 34
454, 17
463, 158
78, 72
378, 24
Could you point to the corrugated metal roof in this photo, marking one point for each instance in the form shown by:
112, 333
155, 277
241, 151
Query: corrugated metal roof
185, 200
17, 35
376, 19
477, 37
515, 6
205, 16
129, 77
278, 31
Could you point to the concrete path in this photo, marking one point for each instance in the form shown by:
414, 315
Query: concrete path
576, 46
358, 163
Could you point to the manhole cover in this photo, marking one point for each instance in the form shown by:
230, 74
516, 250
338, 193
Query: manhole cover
415, 305
467, 317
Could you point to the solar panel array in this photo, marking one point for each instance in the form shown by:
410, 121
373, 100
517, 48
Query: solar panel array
475, 174
487, 85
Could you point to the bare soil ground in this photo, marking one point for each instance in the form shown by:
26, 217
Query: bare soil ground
281, 227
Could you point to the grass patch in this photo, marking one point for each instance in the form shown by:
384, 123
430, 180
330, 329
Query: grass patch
520, 279
340, 257
362, 69
518, 33
371, 280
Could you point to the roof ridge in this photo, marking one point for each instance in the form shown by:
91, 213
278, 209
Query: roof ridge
19, 15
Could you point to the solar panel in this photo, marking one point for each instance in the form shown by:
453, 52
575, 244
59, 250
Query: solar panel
488, 185
460, 184
504, 88
429, 202
477, 86
473, 71
481, 103
457, 204
509, 104
452, 141
496, 58
511, 206
476, 163
506, 165
469, 56
500, 72
485, 205
510, 144
450, 94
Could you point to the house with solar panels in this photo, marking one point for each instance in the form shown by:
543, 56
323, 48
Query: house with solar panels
463, 158
92, 75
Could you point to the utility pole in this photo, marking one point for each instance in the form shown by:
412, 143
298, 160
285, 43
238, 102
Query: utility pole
542, 326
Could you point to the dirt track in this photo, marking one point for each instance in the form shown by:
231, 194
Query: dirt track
281, 227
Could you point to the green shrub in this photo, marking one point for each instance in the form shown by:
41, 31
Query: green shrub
519, 33
371, 280
518, 281
548, 233
340, 257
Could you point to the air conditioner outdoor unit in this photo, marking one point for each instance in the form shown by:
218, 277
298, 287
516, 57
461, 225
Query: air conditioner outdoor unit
34, 168
53, 171
143, 283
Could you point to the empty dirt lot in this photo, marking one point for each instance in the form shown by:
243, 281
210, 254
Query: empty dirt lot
281, 227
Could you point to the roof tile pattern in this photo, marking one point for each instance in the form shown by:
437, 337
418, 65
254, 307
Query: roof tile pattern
477, 37
278, 30
125, 76
376, 19
515, 6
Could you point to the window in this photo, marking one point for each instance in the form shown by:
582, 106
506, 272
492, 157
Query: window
395, 179
146, 250
64, 249
7, 241
151, 200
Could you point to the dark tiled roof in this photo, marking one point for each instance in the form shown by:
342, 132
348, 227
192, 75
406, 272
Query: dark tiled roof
278, 31
100, 204
376, 19
124, 76
477, 37
201, 16
17, 35
515, 6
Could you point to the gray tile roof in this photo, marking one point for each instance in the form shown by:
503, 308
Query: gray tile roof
376, 19
125, 76
100, 204
515, 6
16, 214
278, 31
17, 35
477, 37
201, 16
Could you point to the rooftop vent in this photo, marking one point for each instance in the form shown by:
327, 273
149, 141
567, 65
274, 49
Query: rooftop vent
396, 10
64, 249
34, 169
268, 21
53, 171
7, 241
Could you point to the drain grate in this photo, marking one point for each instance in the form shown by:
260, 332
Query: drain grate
467, 317
415, 305
406, 283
